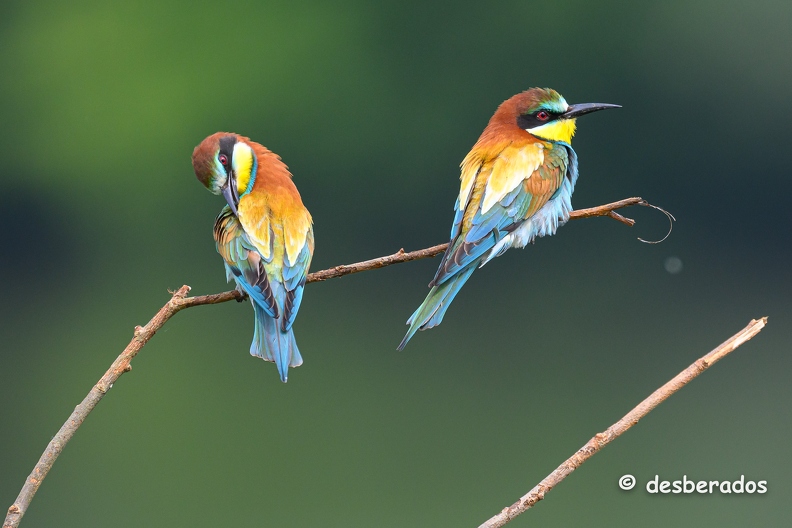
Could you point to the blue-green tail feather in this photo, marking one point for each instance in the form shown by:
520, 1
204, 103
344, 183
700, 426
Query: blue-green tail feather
271, 343
432, 310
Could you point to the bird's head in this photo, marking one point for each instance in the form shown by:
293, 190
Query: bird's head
543, 113
226, 164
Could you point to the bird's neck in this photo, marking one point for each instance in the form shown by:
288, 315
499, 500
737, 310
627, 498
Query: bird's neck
271, 173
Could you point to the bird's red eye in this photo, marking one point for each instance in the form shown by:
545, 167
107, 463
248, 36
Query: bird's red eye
223, 159
542, 115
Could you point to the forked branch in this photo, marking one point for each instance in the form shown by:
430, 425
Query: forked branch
178, 302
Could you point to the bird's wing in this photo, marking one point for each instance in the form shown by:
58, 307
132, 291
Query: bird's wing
506, 190
294, 274
244, 261
280, 228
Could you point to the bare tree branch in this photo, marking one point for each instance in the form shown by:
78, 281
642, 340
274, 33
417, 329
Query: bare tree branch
178, 302
119, 366
401, 256
600, 440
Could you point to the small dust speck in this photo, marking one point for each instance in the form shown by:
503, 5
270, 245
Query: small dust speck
673, 265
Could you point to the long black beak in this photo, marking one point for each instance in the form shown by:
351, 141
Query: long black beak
576, 110
230, 194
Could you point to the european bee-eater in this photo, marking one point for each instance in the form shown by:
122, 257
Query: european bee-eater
264, 235
516, 185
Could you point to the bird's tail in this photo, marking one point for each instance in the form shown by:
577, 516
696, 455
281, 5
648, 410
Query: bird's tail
271, 343
432, 310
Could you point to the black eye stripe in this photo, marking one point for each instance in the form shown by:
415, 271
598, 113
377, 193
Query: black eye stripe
526, 121
227, 147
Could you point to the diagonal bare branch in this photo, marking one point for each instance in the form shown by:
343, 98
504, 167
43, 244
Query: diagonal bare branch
600, 440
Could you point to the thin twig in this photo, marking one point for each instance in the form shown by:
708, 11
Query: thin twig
401, 256
600, 440
179, 301
671, 220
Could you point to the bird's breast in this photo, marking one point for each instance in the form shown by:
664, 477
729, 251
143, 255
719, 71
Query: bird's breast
277, 224
512, 166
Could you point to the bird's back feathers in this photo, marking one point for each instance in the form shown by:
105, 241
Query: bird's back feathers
274, 285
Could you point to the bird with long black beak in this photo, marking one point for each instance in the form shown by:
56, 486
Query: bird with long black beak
265, 236
516, 185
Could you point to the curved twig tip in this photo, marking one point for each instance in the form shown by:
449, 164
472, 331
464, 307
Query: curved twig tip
671, 221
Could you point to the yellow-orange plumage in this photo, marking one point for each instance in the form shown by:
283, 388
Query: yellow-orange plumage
264, 235
515, 185
274, 206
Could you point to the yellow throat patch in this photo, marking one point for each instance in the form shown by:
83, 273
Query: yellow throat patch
242, 161
558, 130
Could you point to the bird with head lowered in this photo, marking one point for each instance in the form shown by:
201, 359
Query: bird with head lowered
516, 185
265, 236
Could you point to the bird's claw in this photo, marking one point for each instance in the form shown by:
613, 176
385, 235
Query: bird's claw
242, 296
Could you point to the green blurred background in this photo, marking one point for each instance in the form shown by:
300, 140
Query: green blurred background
373, 105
